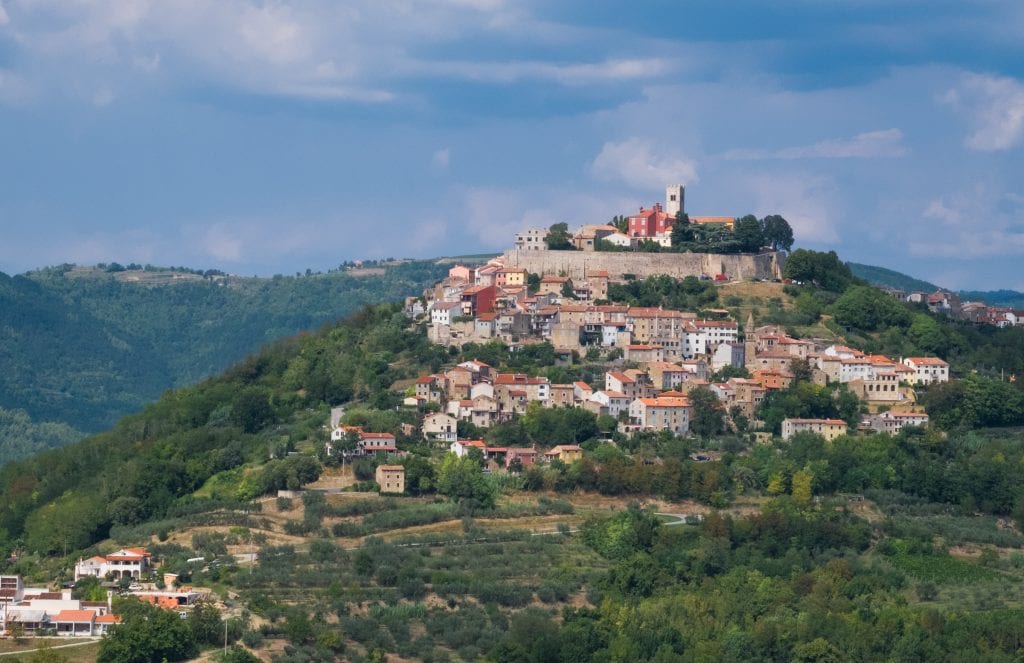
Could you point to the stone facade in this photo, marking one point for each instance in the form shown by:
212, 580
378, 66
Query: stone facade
577, 264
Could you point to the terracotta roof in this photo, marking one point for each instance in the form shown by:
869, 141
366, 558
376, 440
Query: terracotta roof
391, 468
75, 616
927, 361
108, 619
831, 422
665, 402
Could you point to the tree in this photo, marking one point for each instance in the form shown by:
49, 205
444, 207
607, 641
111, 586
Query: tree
747, 233
708, 413
461, 480
777, 232
824, 270
682, 232
558, 238
801, 486
206, 625
147, 634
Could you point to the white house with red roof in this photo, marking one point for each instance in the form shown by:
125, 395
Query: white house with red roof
927, 370
125, 563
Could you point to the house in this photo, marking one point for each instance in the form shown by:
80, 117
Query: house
510, 277
390, 478
581, 390
829, 429
618, 239
371, 443
666, 375
893, 422
610, 402
567, 453
728, 354
440, 427
561, 395
80, 623
552, 285
587, 237
532, 239
643, 353
478, 299
126, 562
650, 223
927, 370
429, 388
443, 313
525, 456
461, 447
661, 413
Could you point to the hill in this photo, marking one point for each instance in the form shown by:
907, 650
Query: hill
1010, 298
82, 347
891, 278
881, 276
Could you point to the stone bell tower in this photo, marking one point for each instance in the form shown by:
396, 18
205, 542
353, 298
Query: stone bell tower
674, 199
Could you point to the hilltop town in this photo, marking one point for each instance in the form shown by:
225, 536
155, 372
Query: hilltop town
653, 358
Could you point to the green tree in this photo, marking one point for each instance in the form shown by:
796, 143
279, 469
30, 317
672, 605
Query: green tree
748, 234
708, 413
869, 309
147, 634
558, 238
682, 233
206, 625
824, 270
777, 232
461, 480
802, 486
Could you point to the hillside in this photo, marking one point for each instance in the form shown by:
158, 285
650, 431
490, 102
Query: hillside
557, 561
83, 347
880, 276
891, 278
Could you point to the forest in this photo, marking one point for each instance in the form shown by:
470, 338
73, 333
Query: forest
83, 352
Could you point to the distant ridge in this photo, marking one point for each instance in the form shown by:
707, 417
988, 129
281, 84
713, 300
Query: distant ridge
891, 278
882, 276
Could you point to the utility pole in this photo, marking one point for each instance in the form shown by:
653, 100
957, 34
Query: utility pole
225, 637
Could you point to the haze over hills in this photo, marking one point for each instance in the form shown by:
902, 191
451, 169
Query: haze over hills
80, 348
888, 277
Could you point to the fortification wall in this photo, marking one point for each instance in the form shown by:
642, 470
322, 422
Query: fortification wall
577, 264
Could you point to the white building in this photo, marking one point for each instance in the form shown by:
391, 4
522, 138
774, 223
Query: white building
927, 370
127, 562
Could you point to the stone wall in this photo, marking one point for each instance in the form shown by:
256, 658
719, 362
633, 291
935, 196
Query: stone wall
576, 264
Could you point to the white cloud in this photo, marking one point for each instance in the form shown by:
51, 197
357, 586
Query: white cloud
572, 74
978, 221
996, 108
869, 145
639, 164
806, 201
356, 51
4, 18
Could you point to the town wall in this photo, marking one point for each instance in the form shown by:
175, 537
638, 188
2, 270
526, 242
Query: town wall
576, 264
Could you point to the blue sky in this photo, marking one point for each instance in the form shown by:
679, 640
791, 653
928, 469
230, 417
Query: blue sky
263, 136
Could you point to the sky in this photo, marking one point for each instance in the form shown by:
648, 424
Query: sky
264, 136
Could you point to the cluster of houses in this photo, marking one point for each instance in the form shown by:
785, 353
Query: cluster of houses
41, 611
513, 458
649, 224
949, 303
673, 352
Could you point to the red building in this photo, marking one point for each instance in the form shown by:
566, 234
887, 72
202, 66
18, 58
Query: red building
650, 222
480, 299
